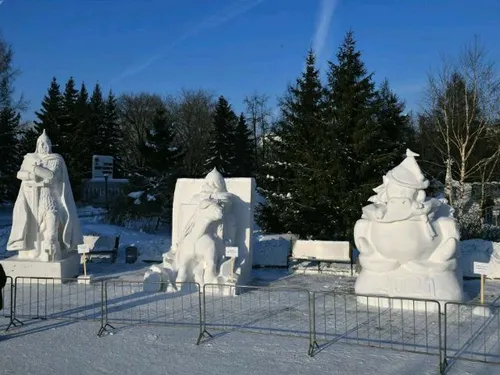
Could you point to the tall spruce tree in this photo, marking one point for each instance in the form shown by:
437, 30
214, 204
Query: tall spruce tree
295, 183
156, 179
395, 129
83, 146
352, 109
244, 162
50, 115
9, 125
68, 125
96, 126
9, 152
113, 133
222, 150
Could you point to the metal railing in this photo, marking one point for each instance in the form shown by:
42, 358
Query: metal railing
471, 331
126, 302
411, 325
56, 298
269, 310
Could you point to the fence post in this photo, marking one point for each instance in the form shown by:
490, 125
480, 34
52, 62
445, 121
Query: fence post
203, 327
313, 344
104, 309
13, 297
443, 362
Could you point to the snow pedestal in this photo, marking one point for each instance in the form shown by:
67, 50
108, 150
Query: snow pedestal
407, 244
66, 268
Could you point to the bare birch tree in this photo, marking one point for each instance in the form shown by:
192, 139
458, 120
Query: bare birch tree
463, 106
258, 114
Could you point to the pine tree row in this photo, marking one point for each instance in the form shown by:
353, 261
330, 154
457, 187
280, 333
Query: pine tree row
333, 143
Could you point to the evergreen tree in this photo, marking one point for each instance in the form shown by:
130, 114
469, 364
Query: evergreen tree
395, 130
82, 147
68, 122
9, 126
113, 133
96, 125
9, 153
157, 177
352, 109
27, 142
222, 153
244, 162
295, 183
50, 115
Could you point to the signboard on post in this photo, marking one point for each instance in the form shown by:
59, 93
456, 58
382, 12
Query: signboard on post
481, 269
102, 165
83, 249
232, 251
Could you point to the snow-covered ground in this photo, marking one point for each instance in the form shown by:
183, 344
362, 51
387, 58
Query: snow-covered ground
60, 346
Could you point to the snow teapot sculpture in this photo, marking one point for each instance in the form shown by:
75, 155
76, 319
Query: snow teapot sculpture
407, 243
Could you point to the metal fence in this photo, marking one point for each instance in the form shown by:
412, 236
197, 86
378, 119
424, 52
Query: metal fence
277, 311
56, 298
126, 302
411, 325
472, 332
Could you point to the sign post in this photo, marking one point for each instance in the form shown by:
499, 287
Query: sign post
481, 269
84, 249
232, 252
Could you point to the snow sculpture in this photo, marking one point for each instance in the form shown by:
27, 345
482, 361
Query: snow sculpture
198, 250
407, 243
45, 225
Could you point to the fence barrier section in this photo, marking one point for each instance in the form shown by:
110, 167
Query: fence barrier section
56, 298
126, 302
411, 325
268, 310
472, 332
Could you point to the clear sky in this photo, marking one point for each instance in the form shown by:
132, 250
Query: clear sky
233, 47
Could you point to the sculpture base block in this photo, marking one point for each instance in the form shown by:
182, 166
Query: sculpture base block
67, 268
442, 287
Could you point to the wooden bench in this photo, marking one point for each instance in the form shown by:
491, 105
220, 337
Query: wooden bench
102, 245
322, 251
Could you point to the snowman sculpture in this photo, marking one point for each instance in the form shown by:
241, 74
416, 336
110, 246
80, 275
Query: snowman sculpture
407, 243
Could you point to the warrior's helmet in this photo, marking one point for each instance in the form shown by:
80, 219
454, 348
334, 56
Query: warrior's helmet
43, 144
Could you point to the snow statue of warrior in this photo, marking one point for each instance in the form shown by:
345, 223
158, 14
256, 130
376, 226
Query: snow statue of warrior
407, 243
45, 223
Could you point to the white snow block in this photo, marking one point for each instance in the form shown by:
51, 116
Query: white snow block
67, 268
339, 251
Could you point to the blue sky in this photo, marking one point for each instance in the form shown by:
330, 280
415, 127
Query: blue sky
233, 47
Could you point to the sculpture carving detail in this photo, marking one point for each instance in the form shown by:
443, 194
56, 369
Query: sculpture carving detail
45, 223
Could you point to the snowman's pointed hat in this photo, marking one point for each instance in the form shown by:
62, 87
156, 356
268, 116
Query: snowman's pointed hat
408, 173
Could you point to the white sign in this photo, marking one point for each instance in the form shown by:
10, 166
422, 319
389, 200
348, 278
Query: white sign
232, 251
481, 268
102, 165
83, 249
